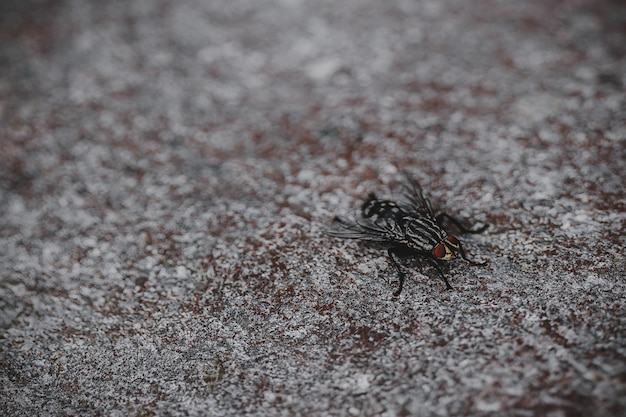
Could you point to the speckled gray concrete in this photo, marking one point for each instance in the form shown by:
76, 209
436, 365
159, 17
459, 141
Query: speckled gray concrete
167, 168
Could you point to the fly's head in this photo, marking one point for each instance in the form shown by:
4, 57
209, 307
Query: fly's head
447, 249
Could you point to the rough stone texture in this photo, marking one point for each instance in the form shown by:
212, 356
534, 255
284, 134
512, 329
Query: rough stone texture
167, 168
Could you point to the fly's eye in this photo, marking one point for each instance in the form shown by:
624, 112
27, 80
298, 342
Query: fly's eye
452, 240
439, 251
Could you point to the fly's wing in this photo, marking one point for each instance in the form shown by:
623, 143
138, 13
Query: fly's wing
365, 229
415, 202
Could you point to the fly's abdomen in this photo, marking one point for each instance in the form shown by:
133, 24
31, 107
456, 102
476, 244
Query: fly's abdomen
374, 208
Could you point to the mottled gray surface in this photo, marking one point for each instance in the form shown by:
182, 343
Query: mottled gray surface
167, 167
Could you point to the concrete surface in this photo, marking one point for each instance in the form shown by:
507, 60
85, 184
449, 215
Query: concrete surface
167, 168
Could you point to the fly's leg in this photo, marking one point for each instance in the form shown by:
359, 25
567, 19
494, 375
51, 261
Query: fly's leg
458, 224
469, 260
443, 277
391, 252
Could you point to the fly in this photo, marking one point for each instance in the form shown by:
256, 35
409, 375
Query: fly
409, 227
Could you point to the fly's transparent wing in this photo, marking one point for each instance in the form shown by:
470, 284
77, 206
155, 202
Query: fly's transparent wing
415, 202
365, 229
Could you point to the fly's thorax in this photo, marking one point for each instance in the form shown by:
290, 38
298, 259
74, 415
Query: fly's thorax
447, 249
422, 233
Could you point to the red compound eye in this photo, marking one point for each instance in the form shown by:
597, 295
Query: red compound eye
453, 240
439, 251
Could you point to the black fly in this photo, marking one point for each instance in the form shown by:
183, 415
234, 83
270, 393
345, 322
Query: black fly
409, 227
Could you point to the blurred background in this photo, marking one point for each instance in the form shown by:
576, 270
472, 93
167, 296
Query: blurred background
167, 169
